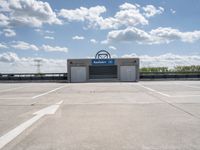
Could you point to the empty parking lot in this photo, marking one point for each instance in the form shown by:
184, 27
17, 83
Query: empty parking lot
161, 115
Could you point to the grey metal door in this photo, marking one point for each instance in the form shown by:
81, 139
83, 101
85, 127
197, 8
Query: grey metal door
78, 74
127, 73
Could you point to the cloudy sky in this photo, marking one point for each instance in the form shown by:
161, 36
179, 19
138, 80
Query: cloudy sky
161, 33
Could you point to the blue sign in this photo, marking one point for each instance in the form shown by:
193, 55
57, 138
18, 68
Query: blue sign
103, 61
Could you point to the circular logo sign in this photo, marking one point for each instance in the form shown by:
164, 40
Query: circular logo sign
102, 54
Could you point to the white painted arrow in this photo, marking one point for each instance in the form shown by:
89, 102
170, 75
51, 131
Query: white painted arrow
56, 89
8, 137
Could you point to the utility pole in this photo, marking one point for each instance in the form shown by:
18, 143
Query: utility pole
38, 65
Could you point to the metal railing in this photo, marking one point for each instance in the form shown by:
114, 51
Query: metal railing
33, 76
169, 75
63, 76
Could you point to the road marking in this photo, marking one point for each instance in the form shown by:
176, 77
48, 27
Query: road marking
185, 96
59, 103
14, 98
167, 95
8, 137
155, 91
190, 86
115, 103
11, 89
170, 103
48, 92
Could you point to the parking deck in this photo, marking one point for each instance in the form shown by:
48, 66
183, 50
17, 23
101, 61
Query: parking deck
100, 116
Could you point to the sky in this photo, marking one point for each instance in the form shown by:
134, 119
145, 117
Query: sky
161, 33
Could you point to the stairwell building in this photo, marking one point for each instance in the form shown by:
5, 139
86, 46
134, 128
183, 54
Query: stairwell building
103, 68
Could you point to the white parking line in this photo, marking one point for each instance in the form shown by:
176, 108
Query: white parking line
8, 137
185, 96
48, 92
11, 89
167, 95
13, 98
155, 91
115, 103
191, 86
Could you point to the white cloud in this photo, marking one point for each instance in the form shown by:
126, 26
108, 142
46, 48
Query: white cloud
150, 10
49, 37
12, 63
128, 35
155, 36
114, 56
93, 41
9, 32
78, 37
128, 6
29, 12
3, 45
128, 15
4, 6
38, 30
166, 60
49, 48
8, 57
21, 45
82, 13
172, 11
36, 13
166, 35
24, 46
112, 47
105, 41
49, 32
4, 20
43, 31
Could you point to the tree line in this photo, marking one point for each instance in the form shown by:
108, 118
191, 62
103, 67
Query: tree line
192, 68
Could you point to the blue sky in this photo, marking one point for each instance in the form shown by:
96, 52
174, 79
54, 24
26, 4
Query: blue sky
161, 33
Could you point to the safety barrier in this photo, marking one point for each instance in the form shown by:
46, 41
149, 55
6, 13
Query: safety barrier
169, 75
59, 77
33, 77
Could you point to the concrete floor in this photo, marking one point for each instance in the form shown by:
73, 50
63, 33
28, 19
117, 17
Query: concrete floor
101, 116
